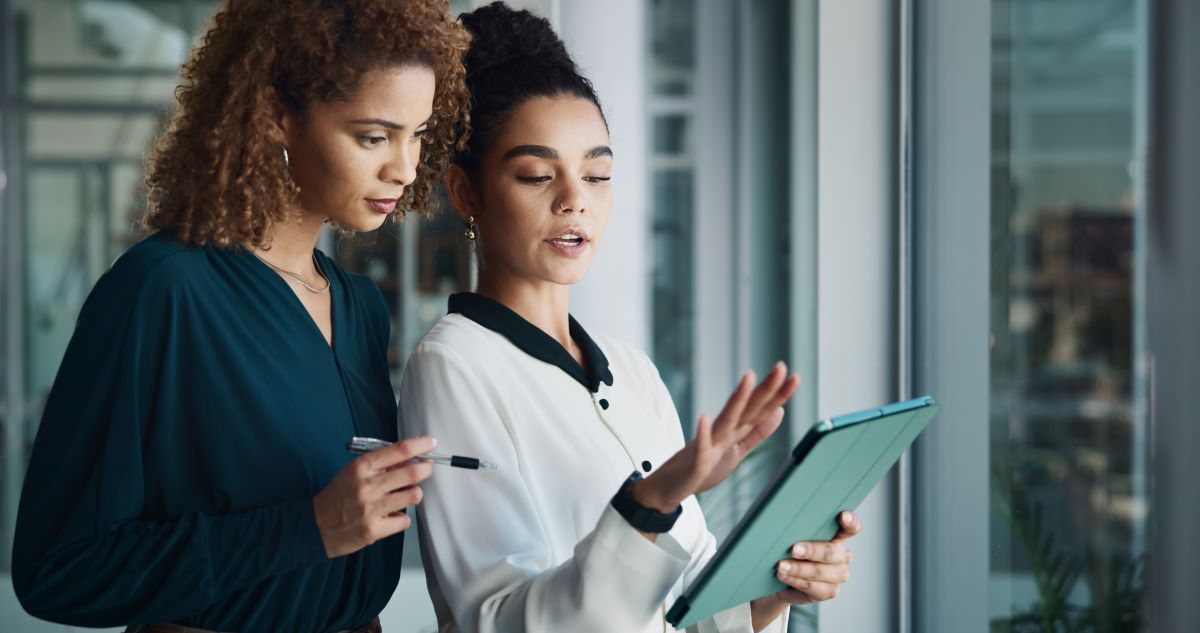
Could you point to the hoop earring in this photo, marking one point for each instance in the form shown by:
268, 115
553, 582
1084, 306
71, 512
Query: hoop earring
470, 232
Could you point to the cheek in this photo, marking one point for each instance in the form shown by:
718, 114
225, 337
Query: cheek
602, 211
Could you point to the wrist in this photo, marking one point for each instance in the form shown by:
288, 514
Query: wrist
766, 610
647, 494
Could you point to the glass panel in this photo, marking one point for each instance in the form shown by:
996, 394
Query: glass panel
90, 136
1068, 499
672, 25
86, 89
672, 136
672, 46
103, 35
672, 298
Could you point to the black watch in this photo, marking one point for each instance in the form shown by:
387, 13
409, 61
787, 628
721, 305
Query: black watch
638, 515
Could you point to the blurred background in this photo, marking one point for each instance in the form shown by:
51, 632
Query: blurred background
897, 197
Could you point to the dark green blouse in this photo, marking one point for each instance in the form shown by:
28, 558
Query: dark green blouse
196, 413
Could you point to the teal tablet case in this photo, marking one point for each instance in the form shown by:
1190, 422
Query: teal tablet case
832, 469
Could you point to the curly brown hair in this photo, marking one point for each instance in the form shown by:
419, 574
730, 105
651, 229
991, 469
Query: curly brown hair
217, 177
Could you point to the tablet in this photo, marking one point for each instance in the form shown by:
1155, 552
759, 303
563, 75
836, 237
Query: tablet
832, 469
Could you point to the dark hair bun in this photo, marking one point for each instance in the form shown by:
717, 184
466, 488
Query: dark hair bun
515, 56
501, 35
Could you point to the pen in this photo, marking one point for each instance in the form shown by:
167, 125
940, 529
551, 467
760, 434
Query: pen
362, 445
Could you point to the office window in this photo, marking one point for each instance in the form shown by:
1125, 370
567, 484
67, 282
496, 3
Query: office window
1068, 497
1056, 409
672, 110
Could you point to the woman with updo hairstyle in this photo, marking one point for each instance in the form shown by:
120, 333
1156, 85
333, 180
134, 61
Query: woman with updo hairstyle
190, 471
561, 537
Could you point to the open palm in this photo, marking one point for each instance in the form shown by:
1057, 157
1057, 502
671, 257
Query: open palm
750, 415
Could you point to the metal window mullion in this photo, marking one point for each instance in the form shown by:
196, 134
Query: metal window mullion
904, 306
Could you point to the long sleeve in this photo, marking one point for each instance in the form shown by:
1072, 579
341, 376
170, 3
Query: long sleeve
85, 552
486, 540
733, 620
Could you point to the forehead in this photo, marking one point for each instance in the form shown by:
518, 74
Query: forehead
571, 125
399, 94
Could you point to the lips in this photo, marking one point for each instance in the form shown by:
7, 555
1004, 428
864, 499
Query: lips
383, 206
570, 243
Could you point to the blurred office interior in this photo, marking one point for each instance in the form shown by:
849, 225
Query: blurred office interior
990, 201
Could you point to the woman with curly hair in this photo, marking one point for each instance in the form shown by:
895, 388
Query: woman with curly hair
190, 470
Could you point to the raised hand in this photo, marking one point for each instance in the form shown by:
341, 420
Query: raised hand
750, 415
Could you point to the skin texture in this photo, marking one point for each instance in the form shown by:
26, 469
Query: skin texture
544, 176
339, 162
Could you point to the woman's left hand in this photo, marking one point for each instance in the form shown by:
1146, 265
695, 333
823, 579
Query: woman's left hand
815, 573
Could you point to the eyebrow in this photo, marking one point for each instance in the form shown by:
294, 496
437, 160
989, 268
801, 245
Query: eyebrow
548, 153
383, 123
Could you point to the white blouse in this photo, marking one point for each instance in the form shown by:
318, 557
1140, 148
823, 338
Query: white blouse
535, 546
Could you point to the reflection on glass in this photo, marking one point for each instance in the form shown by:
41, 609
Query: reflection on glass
1068, 506
672, 47
672, 24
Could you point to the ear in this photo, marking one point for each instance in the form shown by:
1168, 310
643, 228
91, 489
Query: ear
284, 121
464, 196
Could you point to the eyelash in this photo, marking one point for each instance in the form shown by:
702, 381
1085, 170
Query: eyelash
369, 141
537, 180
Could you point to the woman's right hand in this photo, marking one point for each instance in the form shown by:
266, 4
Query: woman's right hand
749, 417
365, 501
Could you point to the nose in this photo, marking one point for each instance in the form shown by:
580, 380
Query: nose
401, 167
572, 199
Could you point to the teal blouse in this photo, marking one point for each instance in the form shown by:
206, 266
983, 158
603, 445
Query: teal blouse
197, 411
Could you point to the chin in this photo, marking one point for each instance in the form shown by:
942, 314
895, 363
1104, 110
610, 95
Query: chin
360, 224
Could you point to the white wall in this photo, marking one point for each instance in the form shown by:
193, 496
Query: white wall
607, 40
856, 308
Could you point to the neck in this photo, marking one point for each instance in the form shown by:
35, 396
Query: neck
292, 243
545, 305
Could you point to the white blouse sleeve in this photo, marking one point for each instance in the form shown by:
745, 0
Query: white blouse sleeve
484, 539
735, 619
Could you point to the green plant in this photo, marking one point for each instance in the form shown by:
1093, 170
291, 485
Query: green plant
1115, 584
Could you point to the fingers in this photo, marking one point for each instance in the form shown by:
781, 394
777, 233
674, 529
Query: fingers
781, 388
821, 552
850, 526
735, 423
761, 431
703, 436
404, 476
806, 591
396, 454
736, 404
398, 500
812, 572
379, 528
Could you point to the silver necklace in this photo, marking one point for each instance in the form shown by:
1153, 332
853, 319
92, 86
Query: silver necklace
295, 277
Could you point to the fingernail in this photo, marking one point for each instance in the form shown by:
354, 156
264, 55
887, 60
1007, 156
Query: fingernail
786, 567
800, 550
848, 517
433, 441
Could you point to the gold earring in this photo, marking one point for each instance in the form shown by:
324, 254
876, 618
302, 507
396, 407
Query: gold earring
470, 232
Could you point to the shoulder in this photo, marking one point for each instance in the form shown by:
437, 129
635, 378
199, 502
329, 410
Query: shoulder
463, 337
457, 344
625, 359
153, 269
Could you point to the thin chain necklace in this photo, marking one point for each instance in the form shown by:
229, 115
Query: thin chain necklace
294, 276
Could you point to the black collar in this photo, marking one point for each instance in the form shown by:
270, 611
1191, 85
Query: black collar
497, 317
